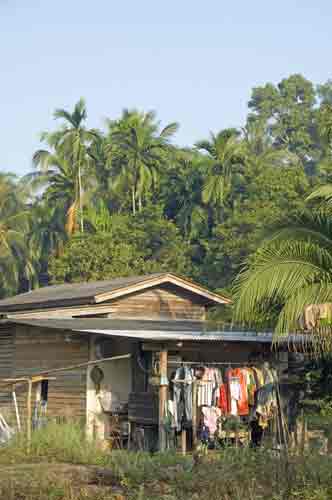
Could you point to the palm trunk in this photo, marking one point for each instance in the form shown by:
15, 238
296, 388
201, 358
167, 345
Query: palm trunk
80, 197
140, 203
133, 200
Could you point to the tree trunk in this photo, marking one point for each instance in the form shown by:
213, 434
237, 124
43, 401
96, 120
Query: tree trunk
140, 203
133, 200
80, 196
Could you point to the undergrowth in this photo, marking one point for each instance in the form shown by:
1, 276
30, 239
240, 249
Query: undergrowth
231, 474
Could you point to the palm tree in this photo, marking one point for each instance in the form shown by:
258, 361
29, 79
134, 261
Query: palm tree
62, 186
138, 150
290, 270
224, 155
71, 143
181, 194
260, 154
47, 233
98, 152
15, 259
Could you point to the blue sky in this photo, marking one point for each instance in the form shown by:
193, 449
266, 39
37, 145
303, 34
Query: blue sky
194, 62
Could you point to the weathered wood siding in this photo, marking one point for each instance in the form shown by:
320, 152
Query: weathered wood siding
165, 301
6, 362
37, 350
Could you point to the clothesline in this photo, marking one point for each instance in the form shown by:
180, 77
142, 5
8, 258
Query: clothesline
184, 381
203, 363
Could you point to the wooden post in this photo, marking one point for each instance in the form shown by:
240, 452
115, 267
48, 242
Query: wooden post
18, 421
303, 433
184, 441
129, 436
29, 415
162, 398
236, 437
194, 395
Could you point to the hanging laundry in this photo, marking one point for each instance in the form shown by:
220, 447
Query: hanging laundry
223, 399
235, 394
251, 386
266, 396
205, 389
259, 377
210, 418
182, 389
208, 387
242, 404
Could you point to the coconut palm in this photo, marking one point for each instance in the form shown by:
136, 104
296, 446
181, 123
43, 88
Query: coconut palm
291, 270
138, 150
224, 155
15, 257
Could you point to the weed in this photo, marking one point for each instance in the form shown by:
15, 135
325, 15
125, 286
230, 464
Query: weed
230, 474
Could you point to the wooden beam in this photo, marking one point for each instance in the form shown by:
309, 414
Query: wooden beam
40, 376
163, 388
18, 421
29, 416
184, 441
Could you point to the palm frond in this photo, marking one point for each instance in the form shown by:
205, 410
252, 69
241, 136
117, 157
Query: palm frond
278, 271
323, 193
169, 130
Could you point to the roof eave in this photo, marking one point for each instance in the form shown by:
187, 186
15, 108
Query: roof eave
166, 278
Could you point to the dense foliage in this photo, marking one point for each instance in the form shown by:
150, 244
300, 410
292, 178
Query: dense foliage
127, 200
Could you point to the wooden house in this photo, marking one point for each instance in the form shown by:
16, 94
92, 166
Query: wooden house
127, 319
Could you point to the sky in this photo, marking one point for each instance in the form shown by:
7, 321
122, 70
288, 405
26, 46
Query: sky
193, 62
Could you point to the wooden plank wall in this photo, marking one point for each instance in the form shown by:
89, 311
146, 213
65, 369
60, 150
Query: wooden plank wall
37, 350
6, 363
165, 301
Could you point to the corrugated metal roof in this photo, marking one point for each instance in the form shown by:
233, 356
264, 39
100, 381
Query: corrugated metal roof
149, 330
186, 336
114, 324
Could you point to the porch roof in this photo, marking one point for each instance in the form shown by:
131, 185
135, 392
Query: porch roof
150, 330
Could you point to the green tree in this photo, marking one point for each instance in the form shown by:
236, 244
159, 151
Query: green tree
261, 154
138, 151
224, 156
288, 112
71, 143
61, 186
47, 235
120, 245
271, 198
290, 270
16, 259
181, 194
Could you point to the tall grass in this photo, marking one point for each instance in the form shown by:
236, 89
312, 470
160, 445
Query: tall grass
61, 443
231, 474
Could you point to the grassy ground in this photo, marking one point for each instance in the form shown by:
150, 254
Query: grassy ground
62, 465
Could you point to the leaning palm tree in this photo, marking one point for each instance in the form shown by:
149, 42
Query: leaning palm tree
224, 154
58, 176
291, 270
138, 150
